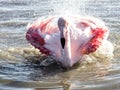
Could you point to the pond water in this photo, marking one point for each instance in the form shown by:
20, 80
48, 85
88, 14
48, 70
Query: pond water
19, 61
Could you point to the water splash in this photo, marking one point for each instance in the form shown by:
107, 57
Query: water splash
65, 7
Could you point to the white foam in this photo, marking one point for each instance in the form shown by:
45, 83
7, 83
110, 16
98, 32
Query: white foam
103, 53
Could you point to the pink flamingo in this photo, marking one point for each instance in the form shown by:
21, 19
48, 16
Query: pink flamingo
67, 38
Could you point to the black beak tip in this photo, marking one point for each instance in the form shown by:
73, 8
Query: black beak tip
62, 40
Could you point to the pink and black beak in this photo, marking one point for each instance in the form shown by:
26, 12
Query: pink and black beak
61, 26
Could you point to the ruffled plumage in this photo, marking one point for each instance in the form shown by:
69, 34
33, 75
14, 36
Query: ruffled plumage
83, 35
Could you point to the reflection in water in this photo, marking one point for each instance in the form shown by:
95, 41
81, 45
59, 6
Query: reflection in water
20, 63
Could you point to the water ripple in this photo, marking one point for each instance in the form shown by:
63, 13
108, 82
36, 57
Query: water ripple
19, 62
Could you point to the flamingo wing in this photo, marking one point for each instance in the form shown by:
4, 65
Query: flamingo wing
44, 35
98, 32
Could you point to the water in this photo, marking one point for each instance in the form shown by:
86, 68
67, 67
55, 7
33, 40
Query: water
19, 62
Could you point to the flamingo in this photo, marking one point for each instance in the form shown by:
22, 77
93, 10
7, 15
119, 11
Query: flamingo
67, 38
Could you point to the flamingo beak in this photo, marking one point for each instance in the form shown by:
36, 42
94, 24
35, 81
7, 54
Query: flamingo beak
61, 26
